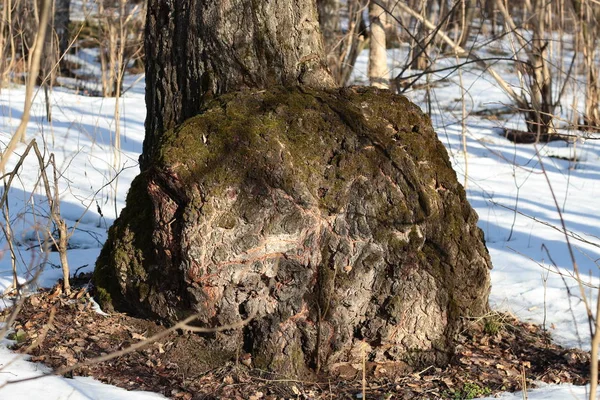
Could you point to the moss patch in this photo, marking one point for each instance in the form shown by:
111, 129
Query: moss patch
125, 256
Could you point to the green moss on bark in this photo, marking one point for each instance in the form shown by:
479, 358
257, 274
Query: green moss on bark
305, 124
124, 258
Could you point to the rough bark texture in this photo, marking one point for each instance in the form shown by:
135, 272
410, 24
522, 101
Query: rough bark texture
199, 48
335, 216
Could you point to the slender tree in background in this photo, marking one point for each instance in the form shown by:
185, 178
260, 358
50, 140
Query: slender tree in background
62, 19
587, 14
342, 46
329, 20
420, 44
378, 69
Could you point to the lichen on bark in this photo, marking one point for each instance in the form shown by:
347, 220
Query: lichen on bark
333, 215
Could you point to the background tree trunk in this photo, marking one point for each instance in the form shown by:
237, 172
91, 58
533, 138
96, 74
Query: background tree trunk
378, 69
587, 17
50, 56
62, 19
329, 20
420, 45
199, 48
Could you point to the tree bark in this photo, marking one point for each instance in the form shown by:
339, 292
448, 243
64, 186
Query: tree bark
199, 48
587, 19
420, 46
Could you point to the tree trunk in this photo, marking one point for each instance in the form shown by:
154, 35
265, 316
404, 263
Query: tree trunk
378, 69
332, 216
541, 116
469, 16
24, 21
354, 42
209, 48
62, 18
420, 44
329, 20
50, 56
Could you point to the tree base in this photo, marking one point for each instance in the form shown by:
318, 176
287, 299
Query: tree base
334, 217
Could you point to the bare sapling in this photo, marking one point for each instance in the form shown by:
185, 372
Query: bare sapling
63, 235
587, 13
120, 41
61, 226
124, 21
108, 49
34, 69
536, 100
53, 195
8, 234
343, 50
463, 125
504, 85
594, 352
8, 179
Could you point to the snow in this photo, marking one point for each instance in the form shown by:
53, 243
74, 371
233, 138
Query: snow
506, 184
548, 392
80, 136
56, 388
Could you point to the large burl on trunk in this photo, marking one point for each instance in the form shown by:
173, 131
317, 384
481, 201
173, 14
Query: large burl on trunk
334, 216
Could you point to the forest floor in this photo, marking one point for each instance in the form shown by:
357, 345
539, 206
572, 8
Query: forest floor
495, 354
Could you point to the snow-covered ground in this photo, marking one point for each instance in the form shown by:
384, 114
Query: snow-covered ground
81, 136
506, 184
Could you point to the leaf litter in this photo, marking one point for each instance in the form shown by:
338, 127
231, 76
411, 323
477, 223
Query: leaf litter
491, 357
